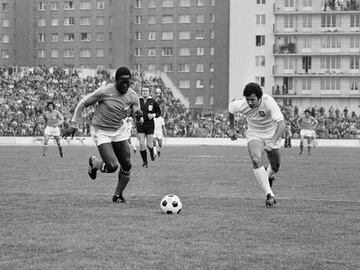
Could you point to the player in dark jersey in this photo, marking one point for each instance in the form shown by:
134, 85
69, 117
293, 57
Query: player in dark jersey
109, 130
150, 109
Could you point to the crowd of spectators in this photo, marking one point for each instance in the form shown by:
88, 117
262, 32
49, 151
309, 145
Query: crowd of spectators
23, 96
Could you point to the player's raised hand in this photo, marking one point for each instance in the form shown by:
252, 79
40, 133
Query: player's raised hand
69, 132
139, 119
232, 135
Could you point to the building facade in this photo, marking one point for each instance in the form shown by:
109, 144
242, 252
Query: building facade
186, 39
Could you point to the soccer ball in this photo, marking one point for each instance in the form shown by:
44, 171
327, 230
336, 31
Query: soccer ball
171, 204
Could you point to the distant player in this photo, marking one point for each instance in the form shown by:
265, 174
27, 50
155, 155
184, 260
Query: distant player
159, 133
265, 126
130, 123
53, 119
150, 109
109, 129
307, 125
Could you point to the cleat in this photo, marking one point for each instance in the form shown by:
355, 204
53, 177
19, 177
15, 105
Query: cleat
152, 157
91, 169
271, 180
158, 153
118, 198
270, 200
145, 164
61, 155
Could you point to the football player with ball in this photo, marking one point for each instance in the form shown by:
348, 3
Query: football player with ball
265, 127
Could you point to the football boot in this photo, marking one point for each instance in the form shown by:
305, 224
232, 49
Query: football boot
118, 198
91, 169
270, 200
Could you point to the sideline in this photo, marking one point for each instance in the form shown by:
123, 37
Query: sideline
87, 141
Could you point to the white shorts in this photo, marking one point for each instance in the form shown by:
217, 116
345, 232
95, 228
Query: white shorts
52, 131
263, 137
309, 133
105, 136
158, 135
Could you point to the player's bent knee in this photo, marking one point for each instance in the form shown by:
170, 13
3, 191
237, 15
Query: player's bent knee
111, 167
257, 162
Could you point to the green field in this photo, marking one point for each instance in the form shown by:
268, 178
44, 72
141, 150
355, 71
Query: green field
53, 216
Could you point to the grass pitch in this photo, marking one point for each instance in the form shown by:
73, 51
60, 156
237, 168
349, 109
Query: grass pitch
53, 216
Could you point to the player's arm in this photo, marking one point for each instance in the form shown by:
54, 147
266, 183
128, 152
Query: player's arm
164, 129
45, 120
60, 118
280, 127
315, 122
298, 121
232, 109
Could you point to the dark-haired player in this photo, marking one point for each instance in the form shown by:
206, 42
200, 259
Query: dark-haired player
265, 126
109, 131
307, 125
150, 109
53, 119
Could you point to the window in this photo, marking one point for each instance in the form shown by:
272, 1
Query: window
85, 53
41, 53
100, 36
151, 20
138, 36
68, 37
152, 67
289, 3
5, 6
328, 20
211, 83
167, 35
184, 84
184, 68
69, 21
199, 34
55, 21
307, 42
69, 53
212, 3
184, 35
138, 67
354, 62
354, 84
184, 52
100, 53
211, 67
100, 4
331, 42
329, 84
200, 51
330, 62
100, 20
167, 3
41, 5
306, 63
199, 83
54, 37
5, 39
212, 34
184, 3
167, 51
5, 23
5, 53
152, 3
54, 53
42, 37
85, 4
138, 4
307, 3
260, 61
138, 52
85, 36
167, 67
199, 100
199, 67
54, 6
166, 19
354, 20
289, 21
85, 20
152, 52
306, 84
260, 19
152, 36
200, 3
200, 18
69, 5
41, 22
184, 19
355, 42
307, 21
260, 40
212, 18
212, 50
260, 81
259, 2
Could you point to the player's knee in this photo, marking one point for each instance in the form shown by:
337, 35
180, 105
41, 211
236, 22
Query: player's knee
111, 167
126, 167
257, 162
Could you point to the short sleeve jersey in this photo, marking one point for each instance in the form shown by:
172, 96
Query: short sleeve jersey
52, 118
159, 123
307, 123
263, 118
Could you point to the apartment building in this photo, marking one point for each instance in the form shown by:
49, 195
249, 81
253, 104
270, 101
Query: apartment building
185, 39
315, 54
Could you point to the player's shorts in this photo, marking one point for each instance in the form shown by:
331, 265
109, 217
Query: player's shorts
264, 137
101, 136
309, 133
52, 131
158, 135
147, 129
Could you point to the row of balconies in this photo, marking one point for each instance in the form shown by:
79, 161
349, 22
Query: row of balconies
297, 92
291, 48
317, 6
298, 71
298, 29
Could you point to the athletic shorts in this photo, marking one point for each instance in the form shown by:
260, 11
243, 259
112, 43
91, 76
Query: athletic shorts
262, 137
158, 135
148, 129
52, 131
105, 136
310, 133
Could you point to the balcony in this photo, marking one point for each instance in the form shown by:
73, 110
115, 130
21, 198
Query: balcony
317, 7
283, 92
285, 48
298, 71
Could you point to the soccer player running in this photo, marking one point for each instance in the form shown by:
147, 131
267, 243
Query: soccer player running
265, 126
53, 119
108, 129
307, 125
159, 133
150, 109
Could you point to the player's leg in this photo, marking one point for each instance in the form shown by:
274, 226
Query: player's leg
107, 163
150, 145
122, 152
301, 144
309, 143
143, 153
256, 150
274, 164
57, 139
46, 142
154, 144
159, 140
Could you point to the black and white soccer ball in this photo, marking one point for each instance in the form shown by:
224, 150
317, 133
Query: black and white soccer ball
171, 204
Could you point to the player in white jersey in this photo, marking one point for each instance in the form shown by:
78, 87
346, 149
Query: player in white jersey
110, 133
265, 126
159, 132
307, 125
129, 122
53, 119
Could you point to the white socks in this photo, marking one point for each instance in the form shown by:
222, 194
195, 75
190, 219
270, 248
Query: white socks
263, 179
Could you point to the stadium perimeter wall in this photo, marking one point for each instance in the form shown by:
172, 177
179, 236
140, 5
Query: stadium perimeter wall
87, 141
